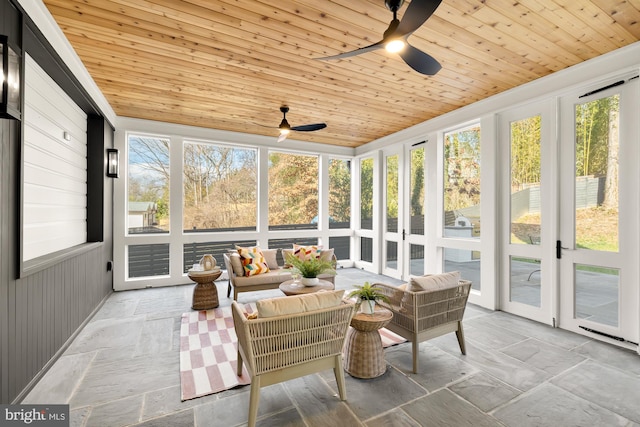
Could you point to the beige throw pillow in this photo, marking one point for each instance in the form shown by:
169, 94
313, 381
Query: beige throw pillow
433, 282
282, 306
270, 255
236, 263
326, 254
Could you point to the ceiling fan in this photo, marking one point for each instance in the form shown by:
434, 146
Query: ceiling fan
394, 39
285, 127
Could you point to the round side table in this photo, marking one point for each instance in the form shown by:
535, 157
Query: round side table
205, 293
293, 287
363, 355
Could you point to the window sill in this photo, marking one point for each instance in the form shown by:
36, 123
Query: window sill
46, 261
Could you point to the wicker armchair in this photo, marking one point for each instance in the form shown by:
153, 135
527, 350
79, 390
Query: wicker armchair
281, 348
420, 316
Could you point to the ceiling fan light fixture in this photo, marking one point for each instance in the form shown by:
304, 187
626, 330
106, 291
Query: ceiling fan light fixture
284, 127
395, 46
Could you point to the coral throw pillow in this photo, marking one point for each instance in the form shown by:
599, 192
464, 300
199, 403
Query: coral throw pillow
253, 261
305, 253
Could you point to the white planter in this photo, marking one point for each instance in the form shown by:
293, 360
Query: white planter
367, 306
310, 281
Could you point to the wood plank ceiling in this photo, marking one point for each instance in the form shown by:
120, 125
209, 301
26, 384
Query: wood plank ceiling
230, 64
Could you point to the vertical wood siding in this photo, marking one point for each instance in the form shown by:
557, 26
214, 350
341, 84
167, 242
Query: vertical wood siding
46, 310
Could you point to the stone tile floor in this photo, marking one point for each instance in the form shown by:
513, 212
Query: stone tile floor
122, 370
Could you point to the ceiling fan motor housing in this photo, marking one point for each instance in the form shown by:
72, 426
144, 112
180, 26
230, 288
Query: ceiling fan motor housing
393, 5
284, 124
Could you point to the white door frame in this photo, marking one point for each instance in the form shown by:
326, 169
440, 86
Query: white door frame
391, 236
409, 237
545, 252
629, 206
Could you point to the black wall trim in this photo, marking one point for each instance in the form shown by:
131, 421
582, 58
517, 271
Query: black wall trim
97, 136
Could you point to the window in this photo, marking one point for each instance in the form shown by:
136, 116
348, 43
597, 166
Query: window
525, 181
215, 204
293, 191
366, 194
339, 193
462, 182
148, 185
392, 198
219, 188
596, 184
461, 201
417, 191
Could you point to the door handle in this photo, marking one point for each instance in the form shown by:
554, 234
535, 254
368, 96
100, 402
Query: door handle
559, 249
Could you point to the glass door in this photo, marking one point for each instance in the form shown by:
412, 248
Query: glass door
527, 221
414, 236
598, 243
393, 228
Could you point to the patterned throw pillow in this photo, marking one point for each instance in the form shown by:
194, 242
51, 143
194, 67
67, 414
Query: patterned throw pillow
253, 261
306, 252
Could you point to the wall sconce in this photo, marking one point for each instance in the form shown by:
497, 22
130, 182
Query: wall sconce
10, 89
113, 163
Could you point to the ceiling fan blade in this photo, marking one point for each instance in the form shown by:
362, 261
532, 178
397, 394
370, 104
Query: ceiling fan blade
369, 48
309, 128
420, 61
416, 14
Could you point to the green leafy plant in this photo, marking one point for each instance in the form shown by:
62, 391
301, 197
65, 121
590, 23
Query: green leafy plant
368, 292
310, 268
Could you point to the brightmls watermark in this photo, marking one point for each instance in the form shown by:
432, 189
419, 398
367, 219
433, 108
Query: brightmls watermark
34, 415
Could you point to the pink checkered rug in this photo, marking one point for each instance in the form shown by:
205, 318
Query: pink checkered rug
208, 352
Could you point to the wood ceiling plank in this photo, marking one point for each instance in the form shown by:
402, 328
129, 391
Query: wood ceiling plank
597, 20
229, 64
579, 39
516, 38
300, 107
241, 108
111, 38
348, 137
258, 82
389, 63
266, 97
458, 66
550, 37
139, 36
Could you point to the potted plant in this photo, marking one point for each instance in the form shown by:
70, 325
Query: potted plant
310, 269
367, 294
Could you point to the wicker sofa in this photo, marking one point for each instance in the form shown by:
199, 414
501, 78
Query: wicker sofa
299, 336
422, 315
239, 282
